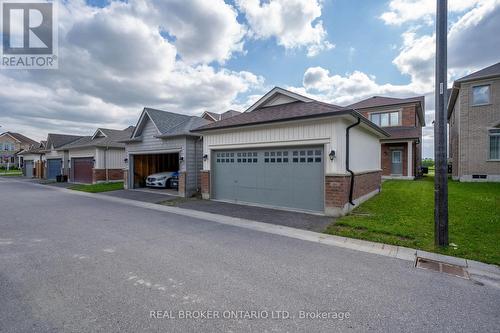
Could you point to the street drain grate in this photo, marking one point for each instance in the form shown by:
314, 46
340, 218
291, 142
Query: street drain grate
441, 267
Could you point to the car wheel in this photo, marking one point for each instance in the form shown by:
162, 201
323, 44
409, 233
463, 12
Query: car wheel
168, 183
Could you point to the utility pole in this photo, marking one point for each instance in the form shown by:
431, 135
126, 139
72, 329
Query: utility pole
440, 138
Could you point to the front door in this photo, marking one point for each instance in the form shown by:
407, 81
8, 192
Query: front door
397, 162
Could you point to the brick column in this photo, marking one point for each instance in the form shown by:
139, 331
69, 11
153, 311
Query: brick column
182, 184
205, 184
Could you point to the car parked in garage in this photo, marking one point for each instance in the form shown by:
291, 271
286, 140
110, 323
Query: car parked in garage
163, 180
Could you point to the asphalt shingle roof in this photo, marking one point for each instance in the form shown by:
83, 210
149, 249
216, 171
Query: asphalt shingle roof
24, 139
58, 140
111, 139
491, 71
377, 101
174, 124
403, 132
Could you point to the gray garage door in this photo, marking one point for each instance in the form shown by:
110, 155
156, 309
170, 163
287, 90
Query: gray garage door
281, 177
53, 168
28, 169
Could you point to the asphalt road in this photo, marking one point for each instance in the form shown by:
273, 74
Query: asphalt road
71, 263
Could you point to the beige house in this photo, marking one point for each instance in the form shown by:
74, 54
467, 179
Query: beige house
474, 119
10, 145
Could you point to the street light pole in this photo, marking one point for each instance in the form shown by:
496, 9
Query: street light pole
440, 139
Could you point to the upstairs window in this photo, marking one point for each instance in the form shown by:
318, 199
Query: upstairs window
385, 119
481, 95
494, 144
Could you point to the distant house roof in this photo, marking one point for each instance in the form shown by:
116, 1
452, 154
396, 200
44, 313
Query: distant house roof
381, 101
485, 73
103, 137
169, 124
58, 140
283, 112
220, 116
19, 137
38, 148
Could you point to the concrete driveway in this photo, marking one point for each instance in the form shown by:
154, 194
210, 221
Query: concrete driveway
77, 263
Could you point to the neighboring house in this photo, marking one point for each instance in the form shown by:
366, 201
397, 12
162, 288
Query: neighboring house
56, 161
290, 151
474, 119
212, 116
97, 158
162, 141
33, 160
403, 119
10, 145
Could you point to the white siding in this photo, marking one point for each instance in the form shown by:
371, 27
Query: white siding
31, 157
54, 154
115, 158
82, 152
329, 132
364, 150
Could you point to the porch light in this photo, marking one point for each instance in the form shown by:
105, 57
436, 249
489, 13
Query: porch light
332, 155
125, 160
205, 157
181, 158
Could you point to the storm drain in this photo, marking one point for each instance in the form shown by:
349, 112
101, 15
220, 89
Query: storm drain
441, 267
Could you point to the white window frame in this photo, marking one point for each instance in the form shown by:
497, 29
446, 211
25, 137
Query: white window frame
472, 94
490, 134
389, 117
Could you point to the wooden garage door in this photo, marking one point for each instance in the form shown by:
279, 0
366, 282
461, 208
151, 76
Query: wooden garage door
280, 177
82, 169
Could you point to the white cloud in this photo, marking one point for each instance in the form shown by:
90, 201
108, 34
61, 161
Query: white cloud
294, 23
113, 61
403, 11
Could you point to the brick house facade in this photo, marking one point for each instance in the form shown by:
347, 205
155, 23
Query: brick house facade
403, 119
474, 120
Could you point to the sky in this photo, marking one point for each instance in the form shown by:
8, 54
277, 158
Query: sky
189, 56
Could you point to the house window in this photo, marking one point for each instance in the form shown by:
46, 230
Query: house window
481, 95
495, 144
385, 119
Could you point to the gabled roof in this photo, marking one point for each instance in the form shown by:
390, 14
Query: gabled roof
20, 138
168, 124
286, 112
274, 94
219, 116
58, 140
38, 148
489, 72
103, 137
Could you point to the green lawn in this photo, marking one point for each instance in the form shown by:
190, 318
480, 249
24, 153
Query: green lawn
403, 214
10, 172
96, 188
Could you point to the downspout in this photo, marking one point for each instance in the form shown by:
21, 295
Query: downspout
106, 164
351, 190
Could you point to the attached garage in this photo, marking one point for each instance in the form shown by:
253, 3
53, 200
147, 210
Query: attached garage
81, 169
289, 151
148, 164
28, 169
54, 167
278, 177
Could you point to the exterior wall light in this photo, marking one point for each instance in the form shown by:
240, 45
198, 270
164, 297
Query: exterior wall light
205, 157
125, 160
332, 155
181, 158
